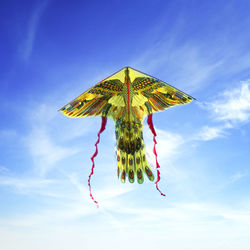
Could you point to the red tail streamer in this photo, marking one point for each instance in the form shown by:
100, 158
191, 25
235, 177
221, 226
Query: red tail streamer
104, 121
151, 126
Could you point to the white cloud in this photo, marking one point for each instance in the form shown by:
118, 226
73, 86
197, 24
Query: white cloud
233, 105
23, 183
209, 133
73, 178
44, 151
238, 176
43, 114
168, 144
48, 132
103, 195
3, 169
231, 108
193, 223
32, 186
113, 191
47, 116
27, 45
170, 147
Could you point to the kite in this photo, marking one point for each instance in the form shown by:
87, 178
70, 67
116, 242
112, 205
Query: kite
127, 97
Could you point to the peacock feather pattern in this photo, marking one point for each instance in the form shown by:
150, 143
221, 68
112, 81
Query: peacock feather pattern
127, 97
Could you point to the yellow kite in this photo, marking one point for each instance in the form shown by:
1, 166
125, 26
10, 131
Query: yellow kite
127, 97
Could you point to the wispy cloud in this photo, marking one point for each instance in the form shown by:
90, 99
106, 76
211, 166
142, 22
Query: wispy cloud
230, 109
191, 217
209, 133
45, 152
23, 183
27, 45
3, 169
105, 194
170, 147
49, 134
238, 176
233, 105
184, 64
167, 146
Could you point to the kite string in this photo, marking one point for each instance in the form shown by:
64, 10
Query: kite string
104, 121
151, 126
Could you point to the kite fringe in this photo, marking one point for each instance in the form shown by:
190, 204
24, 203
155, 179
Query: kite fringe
151, 126
103, 126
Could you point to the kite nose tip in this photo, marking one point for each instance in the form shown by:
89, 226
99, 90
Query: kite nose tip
126, 70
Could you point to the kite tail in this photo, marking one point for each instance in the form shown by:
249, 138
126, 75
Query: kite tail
151, 126
104, 121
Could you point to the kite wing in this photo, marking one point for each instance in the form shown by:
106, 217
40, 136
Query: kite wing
152, 95
97, 101
109, 98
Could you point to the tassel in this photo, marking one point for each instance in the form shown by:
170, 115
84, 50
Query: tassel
104, 122
151, 126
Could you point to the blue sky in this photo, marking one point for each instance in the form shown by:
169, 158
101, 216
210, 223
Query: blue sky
51, 51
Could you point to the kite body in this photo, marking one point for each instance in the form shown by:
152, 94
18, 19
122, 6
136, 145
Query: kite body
131, 155
127, 97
